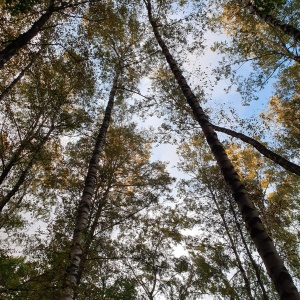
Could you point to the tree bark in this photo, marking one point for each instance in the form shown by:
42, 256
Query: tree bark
289, 166
288, 29
24, 38
84, 207
263, 242
91, 233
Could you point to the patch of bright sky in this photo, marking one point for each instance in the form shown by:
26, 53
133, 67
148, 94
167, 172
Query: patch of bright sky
218, 98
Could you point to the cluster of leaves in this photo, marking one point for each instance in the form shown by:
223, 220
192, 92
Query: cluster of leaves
268, 6
20, 6
255, 44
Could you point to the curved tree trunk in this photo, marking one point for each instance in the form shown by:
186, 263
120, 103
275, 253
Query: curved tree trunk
272, 21
289, 166
264, 244
83, 210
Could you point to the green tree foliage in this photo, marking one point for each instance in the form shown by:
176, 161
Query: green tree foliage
268, 6
259, 180
48, 107
143, 236
267, 48
128, 186
217, 207
17, 7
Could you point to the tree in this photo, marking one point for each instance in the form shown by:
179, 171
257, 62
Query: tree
283, 111
259, 235
260, 176
178, 111
23, 39
122, 50
290, 166
267, 48
15, 81
206, 180
83, 213
109, 224
41, 107
262, 10
128, 188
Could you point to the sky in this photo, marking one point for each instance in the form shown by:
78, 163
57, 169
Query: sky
218, 98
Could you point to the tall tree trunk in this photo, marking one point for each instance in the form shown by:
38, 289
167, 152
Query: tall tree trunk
91, 233
24, 38
233, 246
288, 29
254, 264
264, 244
84, 207
289, 166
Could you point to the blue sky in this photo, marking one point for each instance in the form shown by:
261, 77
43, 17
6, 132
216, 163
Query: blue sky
218, 98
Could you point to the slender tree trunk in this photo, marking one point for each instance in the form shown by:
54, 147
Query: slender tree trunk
13, 160
233, 247
90, 235
84, 207
254, 264
289, 166
24, 38
24, 173
16, 155
264, 244
288, 29
15, 81
4, 218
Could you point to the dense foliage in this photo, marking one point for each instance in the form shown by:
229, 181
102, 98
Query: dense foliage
91, 93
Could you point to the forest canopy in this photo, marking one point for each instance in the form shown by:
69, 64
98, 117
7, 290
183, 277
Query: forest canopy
92, 206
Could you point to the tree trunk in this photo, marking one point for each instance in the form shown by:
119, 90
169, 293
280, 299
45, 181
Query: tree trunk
15, 156
15, 81
83, 210
91, 232
233, 247
24, 38
272, 21
254, 264
289, 166
24, 173
264, 244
